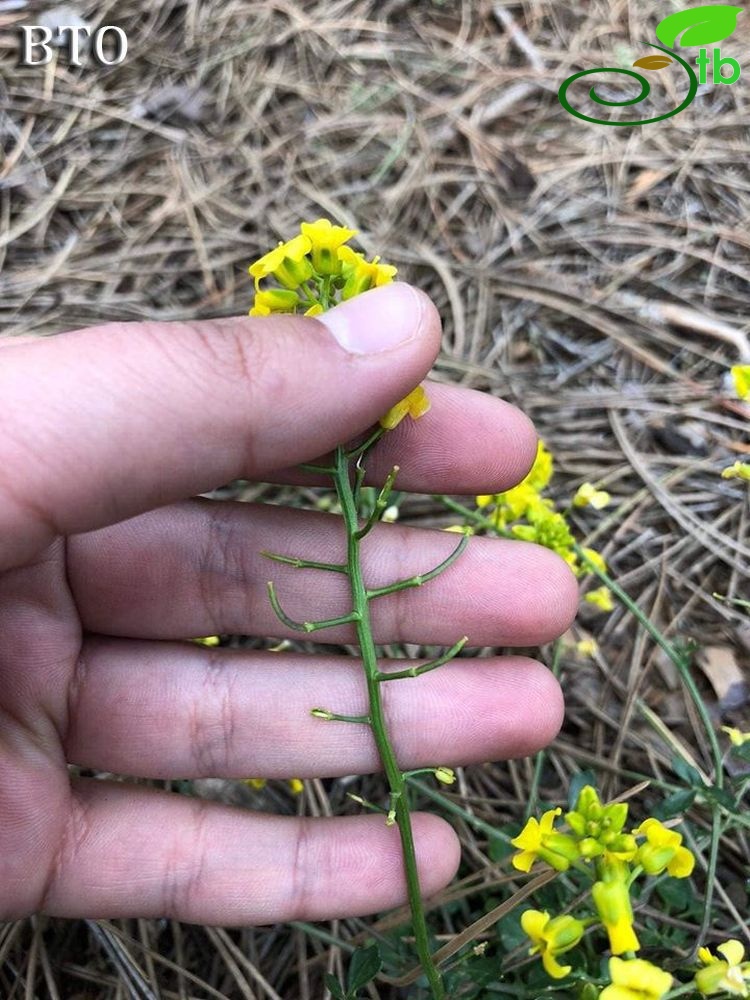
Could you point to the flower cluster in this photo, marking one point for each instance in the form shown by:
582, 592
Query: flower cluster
313, 272
598, 842
524, 512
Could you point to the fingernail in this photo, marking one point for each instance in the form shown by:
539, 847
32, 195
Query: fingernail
378, 320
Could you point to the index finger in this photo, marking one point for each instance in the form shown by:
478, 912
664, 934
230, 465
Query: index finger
105, 423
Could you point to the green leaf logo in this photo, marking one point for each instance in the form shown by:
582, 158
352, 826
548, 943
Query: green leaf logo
699, 25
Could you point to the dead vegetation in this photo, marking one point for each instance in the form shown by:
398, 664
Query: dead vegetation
599, 277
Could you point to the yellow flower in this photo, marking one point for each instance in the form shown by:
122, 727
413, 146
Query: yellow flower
287, 262
596, 558
740, 470
663, 850
539, 839
415, 405
274, 300
741, 380
361, 274
587, 647
612, 901
727, 975
541, 471
600, 598
588, 496
446, 775
208, 640
736, 737
256, 783
546, 528
520, 501
296, 786
314, 310
635, 979
326, 240
551, 937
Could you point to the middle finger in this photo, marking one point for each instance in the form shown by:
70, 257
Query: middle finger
197, 568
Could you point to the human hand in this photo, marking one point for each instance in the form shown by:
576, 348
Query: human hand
105, 567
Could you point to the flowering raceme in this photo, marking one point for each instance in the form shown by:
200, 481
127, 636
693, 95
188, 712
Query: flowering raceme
601, 846
316, 270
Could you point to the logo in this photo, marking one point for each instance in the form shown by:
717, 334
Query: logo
37, 41
704, 26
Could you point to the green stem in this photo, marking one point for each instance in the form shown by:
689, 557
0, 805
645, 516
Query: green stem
680, 661
542, 755
426, 667
681, 991
392, 770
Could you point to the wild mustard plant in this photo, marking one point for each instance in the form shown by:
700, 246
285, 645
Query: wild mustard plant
309, 274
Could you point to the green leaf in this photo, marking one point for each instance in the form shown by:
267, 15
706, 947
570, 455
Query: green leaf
364, 966
698, 25
676, 804
724, 798
500, 848
675, 893
334, 987
688, 774
577, 782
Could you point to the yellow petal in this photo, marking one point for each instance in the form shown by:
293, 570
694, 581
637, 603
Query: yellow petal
523, 862
533, 923
415, 405
395, 415
682, 864
596, 558
548, 820
732, 950
552, 967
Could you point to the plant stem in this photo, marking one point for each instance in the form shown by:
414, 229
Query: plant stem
396, 783
542, 754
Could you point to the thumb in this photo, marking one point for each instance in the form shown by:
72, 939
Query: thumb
104, 423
